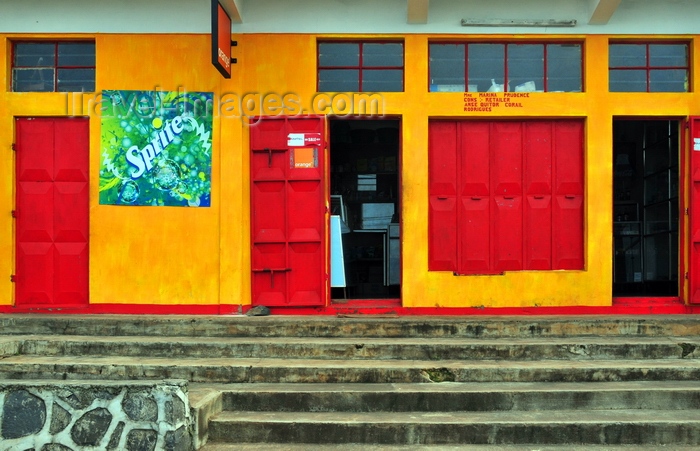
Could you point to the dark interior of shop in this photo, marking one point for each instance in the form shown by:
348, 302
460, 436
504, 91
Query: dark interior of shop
645, 207
364, 168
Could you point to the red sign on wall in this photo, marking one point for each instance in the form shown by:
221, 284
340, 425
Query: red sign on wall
220, 39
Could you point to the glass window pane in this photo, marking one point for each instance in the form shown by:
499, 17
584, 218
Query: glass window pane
656, 218
382, 55
332, 54
339, 80
79, 54
525, 67
628, 80
76, 80
628, 55
32, 80
564, 67
669, 80
657, 148
656, 188
486, 65
447, 67
657, 251
668, 55
382, 80
34, 55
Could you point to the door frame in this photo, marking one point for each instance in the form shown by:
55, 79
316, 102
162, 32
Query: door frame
685, 277
83, 284
276, 146
393, 301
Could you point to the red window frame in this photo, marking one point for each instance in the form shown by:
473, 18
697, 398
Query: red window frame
648, 68
506, 44
360, 67
55, 67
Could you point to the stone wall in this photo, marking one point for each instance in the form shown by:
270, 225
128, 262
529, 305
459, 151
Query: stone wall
89, 415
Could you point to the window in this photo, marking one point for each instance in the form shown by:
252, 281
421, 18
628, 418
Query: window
642, 67
53, 66
360, 67
494, 67
505, 196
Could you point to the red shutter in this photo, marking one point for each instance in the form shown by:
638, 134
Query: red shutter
694, 269
567, 222
537, 226
287, 216
442, 196
519, 196
53, 211
474, 198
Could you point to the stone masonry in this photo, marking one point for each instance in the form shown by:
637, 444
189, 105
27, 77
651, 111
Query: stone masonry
104, 415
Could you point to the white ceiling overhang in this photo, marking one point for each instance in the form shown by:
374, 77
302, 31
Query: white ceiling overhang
233, 8
602, 11
417, 10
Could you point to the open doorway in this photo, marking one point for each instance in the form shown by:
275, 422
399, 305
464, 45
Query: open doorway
365, 197
645, 207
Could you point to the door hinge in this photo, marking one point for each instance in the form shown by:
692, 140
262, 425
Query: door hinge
13, 278
14, 147
14, 213
686, 211
686, 275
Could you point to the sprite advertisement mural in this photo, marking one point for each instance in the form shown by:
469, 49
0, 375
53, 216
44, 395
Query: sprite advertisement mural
156, 148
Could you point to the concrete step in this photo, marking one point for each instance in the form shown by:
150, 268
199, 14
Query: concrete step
332, 382
209, 400
352, 326
569, 348
604, 427
230, 370
364, 447
454, 396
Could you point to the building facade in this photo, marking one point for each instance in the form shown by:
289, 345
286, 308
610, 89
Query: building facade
420, 156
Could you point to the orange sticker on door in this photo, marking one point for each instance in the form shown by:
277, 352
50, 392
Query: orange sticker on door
304, 157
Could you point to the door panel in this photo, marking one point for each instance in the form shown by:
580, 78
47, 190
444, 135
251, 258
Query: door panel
507, 176
52, 199
475, 195
288, 224
694, 270
568, 205
442, 194
537, 229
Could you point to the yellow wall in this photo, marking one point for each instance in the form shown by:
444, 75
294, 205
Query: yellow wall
146, 255
170, 255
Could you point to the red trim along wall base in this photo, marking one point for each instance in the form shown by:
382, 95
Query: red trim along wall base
392, 307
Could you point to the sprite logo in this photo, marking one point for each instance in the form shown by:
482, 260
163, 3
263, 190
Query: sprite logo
156, 148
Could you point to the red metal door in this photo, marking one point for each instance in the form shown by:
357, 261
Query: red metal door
52, 211
288, 214
694, 269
